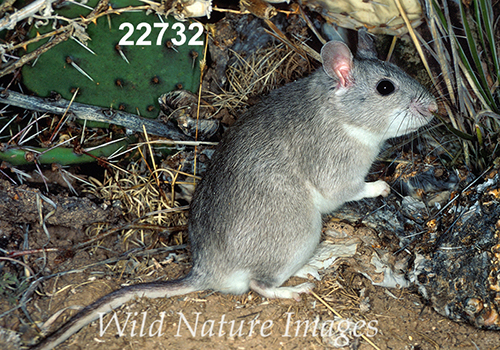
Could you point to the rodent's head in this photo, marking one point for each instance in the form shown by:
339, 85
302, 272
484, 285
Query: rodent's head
377, 95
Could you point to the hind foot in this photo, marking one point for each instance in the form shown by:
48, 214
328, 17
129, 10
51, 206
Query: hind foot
292, 292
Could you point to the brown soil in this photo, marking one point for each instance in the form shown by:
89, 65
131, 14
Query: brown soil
390, 319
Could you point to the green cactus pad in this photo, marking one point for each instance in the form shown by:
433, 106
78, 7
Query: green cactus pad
61, 155
135, 86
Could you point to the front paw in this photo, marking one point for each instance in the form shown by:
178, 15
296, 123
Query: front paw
380, 188
375, 189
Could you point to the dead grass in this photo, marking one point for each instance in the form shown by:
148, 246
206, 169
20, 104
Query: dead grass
257, 75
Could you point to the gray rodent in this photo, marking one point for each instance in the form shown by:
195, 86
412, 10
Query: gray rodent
303, 151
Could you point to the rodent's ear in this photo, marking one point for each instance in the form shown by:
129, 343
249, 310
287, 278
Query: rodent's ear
366, 46
337, 62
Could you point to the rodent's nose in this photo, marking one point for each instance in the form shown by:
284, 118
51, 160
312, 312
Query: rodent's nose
423, 107
433, 107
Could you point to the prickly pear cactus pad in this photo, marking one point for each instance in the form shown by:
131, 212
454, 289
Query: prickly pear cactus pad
135, 58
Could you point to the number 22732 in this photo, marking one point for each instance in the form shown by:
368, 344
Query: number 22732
179, 39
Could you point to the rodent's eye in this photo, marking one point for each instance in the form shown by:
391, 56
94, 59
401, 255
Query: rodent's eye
385, 87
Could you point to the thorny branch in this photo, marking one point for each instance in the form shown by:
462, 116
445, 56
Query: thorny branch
91, 113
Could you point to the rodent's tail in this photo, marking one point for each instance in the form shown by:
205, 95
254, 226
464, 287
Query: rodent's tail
114, 300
